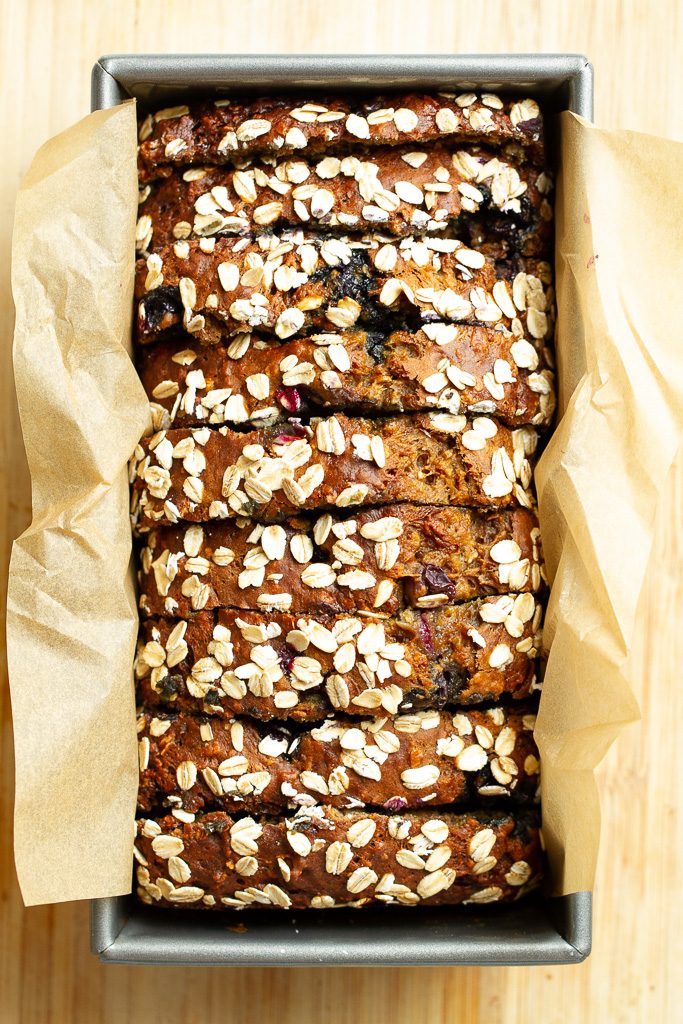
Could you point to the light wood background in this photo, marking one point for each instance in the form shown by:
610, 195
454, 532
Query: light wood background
46, 971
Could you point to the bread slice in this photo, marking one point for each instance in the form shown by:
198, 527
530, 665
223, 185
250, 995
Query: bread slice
226, 131
456, 368
397, 763
339, 462
279, 666
322, 857
296, 284
496, 196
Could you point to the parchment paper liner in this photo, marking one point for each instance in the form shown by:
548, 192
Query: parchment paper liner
72, 619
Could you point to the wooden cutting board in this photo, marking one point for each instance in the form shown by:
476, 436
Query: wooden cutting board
46, 971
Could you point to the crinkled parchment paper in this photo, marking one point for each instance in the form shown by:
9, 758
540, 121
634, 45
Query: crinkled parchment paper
71, 608
619, 257
71, 615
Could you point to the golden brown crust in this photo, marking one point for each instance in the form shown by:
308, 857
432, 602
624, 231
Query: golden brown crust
379, 559
456, 368
295, 283
495, 197
228, 662
227, 131
199, 475
399, 763
322, 857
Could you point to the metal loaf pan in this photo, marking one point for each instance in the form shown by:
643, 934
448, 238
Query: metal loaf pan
536, 931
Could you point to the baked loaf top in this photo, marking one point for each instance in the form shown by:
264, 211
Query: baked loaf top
327, 586
322, 857
227, 131
453, 367
397, 763
499, 194
229, 662
296, 283
379, 559
200, 474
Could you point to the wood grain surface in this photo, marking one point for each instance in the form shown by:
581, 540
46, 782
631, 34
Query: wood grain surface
46, 971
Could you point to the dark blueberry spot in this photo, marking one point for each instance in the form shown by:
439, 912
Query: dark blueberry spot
493, 818
289, 398
215, 825
286, 655
522, 824
509, 268
357, 281
159, 303
396, 803
503, 227
441, 683
426, 635
169, 687
526, 210
486, 193
374, 344
532, 127
451, 682
352, 278
436, 581
484, 776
